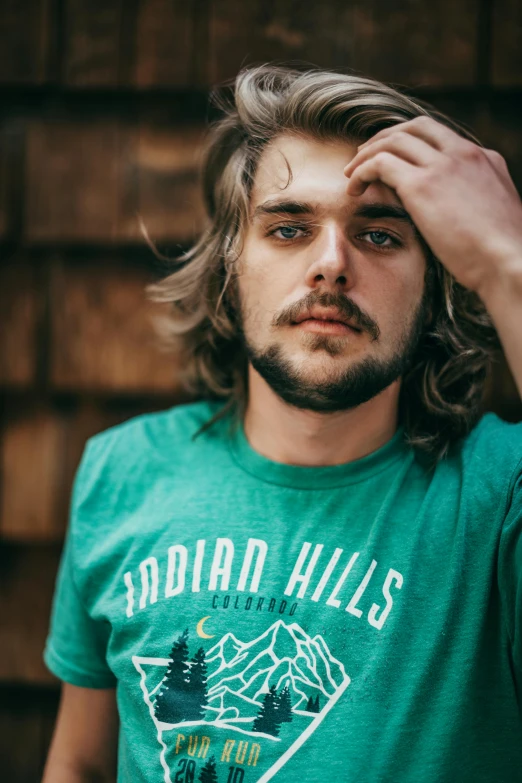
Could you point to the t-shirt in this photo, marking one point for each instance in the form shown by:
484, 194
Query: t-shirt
261, 620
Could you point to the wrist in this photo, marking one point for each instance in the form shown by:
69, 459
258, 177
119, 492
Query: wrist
504, 286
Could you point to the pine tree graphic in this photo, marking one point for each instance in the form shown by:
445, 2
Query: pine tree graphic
267, 720
169, 706
196, 697
209, 774
313, 705
285, 706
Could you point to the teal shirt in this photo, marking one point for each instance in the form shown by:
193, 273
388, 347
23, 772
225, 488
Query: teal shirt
259, 621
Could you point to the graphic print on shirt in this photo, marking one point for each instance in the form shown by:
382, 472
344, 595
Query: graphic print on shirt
237, 709
266, 695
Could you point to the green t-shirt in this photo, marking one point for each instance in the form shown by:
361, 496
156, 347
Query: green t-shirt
259, 620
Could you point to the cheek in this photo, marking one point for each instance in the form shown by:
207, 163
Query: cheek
254, 295
252, 274
394, 302
263, 288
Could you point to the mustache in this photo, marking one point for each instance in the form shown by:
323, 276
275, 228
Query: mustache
346, 307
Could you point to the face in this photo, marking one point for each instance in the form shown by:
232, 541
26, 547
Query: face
310, 249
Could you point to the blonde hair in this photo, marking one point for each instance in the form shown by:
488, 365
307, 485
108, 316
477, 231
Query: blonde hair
442, 392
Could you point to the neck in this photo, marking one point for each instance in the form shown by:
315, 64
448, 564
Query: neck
293, 436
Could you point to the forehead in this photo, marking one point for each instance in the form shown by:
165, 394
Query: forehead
316, 167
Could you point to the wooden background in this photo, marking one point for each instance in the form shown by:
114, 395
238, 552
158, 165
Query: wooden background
103, 106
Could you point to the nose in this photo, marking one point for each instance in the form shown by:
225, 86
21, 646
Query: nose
332, 265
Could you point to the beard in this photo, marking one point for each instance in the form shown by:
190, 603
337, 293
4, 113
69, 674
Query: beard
356, 384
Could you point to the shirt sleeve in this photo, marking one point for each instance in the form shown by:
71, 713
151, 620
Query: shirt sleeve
510, 571
75, 649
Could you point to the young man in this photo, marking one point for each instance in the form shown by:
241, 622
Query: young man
314, 572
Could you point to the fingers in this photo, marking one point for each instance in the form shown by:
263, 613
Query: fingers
439, 136
385, 167
405, 146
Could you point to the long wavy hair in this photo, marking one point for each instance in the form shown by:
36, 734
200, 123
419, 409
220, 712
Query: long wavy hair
441, 395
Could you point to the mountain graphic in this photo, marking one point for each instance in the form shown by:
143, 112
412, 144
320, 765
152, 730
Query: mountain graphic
276, 688
240, 673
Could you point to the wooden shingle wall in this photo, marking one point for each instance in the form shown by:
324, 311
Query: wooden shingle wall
103, 106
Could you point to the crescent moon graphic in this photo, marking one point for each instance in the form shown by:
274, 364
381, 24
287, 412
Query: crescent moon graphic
200, 630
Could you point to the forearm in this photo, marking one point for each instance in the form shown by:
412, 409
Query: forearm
503, 301
62, 771
84, 744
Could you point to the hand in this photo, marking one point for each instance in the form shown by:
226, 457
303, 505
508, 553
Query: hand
459, 195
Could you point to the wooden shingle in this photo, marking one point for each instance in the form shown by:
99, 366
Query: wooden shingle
164, 43
94, 47
146, 43
90, 180
21, 306
506, 45
163, 185
27, 579
405, 41
102, 334
32, 451
72, 181
24, 41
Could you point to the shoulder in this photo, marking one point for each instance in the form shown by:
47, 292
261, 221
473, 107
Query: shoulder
495, 441
491, 456
120, 461
154, 431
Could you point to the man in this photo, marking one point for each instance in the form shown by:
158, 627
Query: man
315, 571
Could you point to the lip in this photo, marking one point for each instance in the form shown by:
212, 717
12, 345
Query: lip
323, 326
325, 320
330, 314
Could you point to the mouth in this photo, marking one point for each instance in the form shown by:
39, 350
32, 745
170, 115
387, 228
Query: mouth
326, 326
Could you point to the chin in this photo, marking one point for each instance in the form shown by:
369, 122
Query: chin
329, 351
321, 369
327, 347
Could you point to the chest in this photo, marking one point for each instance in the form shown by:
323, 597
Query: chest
244, 634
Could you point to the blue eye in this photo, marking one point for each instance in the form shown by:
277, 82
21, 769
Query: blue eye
287, 228
382, 236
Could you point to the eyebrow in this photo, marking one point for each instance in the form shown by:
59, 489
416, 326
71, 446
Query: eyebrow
372, 210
